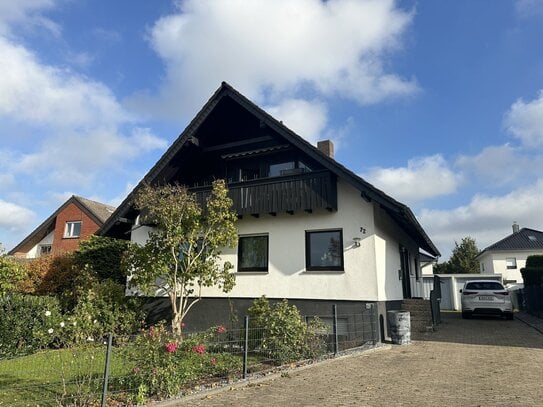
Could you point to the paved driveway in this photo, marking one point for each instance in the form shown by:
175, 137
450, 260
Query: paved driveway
477, 362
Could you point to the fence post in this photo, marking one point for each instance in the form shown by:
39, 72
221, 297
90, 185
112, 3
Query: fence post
246, 347
373, 315
106, 369
334, 310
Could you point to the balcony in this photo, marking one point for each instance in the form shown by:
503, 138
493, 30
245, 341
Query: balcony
293, 193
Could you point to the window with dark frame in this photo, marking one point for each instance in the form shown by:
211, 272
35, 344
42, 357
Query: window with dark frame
73, 229
45, 249
324, 250
511, 263
253, 253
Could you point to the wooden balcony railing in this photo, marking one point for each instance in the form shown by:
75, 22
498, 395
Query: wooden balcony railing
301, 192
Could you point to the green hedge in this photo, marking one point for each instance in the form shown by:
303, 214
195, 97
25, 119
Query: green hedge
27, 323
535, 261
532, 276
533, 284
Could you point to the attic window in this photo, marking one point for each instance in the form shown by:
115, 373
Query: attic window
72, 229
532, 238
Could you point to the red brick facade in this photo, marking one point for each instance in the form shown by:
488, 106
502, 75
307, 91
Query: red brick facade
71, 213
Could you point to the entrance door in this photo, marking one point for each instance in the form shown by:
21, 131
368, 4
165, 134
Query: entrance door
406, 280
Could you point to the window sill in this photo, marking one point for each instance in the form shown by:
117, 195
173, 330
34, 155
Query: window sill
71, 237
323, 272
251, 272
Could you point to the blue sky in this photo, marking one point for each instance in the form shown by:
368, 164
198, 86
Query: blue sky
438, 103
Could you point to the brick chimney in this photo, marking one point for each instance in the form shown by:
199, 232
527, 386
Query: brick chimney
327, 147
515, 227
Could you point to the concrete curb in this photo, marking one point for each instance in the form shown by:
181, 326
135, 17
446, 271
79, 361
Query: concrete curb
258, 380
530, 320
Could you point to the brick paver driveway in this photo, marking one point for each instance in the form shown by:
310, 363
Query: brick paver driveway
477, 362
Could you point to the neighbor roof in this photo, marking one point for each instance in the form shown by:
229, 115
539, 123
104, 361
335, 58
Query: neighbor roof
524, 239
97, 211
398, 211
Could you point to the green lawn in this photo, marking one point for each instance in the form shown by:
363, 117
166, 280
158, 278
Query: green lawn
47, 377
69, 376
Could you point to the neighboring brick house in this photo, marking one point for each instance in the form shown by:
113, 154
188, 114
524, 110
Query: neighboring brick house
76, 220
508, 256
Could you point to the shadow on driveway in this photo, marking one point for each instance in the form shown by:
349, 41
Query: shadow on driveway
483, 330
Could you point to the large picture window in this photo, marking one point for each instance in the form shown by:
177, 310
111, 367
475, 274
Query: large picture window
253, 253
324, 250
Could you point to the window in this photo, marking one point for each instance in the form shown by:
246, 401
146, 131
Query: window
73, 229
482, 267
253, 253
45, 249
324, 250
511, 263
281, 168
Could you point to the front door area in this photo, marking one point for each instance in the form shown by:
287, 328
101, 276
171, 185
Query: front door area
406, 281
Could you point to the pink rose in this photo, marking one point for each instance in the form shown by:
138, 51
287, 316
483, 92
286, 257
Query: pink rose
170, 347
199, 349
221, 329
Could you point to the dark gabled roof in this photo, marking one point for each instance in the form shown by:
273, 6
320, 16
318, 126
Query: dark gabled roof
524, 239
97, 211
398, 211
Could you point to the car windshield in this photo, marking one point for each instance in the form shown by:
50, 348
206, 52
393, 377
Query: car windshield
484, 285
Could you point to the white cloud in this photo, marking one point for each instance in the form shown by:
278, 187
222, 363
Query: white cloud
486, 218
45, 95
307, 119
423, 178
501, 165
529, 8
27, 12
275, 50
14, 217
525, 121
71, 159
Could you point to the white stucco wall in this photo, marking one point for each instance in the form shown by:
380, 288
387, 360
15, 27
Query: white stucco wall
495, 262
390, 237
34, 252
371, 270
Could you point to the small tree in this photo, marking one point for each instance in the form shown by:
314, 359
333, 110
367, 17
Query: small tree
182, 252
463, 257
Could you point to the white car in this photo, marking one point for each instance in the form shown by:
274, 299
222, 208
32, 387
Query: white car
485, 297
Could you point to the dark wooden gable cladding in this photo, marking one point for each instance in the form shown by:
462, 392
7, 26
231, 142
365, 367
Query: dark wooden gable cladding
264, 172
216, 118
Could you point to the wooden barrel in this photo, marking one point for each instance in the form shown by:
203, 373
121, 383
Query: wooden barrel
400, 327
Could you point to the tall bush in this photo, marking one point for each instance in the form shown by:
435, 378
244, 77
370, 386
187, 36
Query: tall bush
29, 323
103, 256
532, 275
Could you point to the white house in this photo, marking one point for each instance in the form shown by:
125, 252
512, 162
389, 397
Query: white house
508, 256
310, 230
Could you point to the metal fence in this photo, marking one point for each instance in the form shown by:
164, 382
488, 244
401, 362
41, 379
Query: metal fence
106, 371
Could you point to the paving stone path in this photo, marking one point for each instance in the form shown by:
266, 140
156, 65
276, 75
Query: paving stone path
477, 362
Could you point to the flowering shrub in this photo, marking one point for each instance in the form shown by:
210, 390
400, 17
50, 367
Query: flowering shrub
163, 364
199, 349
171, 347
